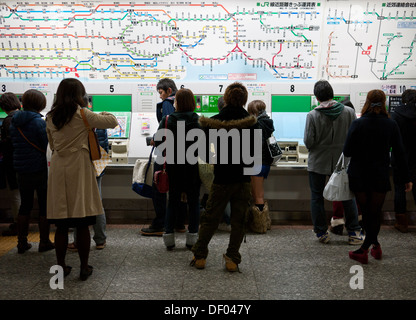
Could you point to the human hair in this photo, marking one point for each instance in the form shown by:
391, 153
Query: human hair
165, 84
409, 96
255, 107
68, 97
323, 91
375, 103
347, 102
185, 100
9, 102
33, 100
235, 95
86, 99
220, 103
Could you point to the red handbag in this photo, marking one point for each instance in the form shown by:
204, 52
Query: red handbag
160, 177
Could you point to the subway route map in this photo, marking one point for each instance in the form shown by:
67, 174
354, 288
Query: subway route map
206, 41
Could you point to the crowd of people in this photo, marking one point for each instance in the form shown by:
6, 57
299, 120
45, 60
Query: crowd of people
69, 191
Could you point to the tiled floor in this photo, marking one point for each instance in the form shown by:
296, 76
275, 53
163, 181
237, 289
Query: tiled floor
286, 263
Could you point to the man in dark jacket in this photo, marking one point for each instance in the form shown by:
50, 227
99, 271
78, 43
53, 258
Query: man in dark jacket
10, 104
405, 116
231, 180
167, 90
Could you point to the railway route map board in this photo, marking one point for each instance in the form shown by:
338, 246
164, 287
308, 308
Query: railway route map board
246, 40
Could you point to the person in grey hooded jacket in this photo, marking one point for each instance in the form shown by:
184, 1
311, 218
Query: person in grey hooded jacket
325, 133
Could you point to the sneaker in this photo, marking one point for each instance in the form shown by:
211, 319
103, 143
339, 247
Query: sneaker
151, 231
100, 246
323, 237
198, 263
355, 237
230, 265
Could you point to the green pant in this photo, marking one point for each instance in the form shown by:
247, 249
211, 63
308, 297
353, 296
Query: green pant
238, 194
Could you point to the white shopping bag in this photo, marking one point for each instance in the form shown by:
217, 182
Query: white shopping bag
338, 188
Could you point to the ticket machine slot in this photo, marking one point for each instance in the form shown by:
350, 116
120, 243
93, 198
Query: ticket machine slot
119, 150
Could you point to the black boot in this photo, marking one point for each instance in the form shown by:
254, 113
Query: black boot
22, 232
45, 243
401, 222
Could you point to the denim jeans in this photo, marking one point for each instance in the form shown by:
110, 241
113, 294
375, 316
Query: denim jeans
100, 223
319, 219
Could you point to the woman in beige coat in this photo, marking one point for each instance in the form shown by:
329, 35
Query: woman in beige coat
73, 196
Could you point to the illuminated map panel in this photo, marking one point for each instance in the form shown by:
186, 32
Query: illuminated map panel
208, 41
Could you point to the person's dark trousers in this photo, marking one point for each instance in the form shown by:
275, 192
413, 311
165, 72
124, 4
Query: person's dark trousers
160, 206
239, 196
400, 197
318, 214
177, 210
317, 184
28, 184
400, 206
159, 202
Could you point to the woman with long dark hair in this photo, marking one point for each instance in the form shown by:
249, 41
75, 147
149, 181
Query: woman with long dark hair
73, 196
369, 141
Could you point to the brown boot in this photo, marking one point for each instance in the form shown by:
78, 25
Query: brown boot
22, 232
45, 243
258, 220
267, 213
401, 222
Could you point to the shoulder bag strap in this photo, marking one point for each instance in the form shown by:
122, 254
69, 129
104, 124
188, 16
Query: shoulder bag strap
166, 126
21, 132
149, 162
85, 120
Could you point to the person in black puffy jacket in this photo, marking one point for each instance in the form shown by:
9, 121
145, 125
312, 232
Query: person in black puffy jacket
28, 133
231, 177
